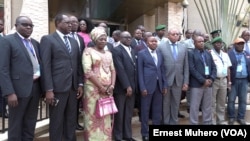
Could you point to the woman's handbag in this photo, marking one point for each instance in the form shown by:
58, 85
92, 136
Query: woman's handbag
105, 106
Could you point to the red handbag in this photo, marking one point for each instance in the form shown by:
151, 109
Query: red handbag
105, 106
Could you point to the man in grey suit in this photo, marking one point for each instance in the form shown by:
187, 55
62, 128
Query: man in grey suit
125, 87
62, 79
20, 79
176, 63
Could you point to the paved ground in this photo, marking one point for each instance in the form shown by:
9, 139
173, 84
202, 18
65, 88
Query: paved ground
136, 125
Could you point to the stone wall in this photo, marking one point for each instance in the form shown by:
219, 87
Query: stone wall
36, 10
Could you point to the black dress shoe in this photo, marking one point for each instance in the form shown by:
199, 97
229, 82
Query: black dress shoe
129, 139
180, 115
79, 127
144, 138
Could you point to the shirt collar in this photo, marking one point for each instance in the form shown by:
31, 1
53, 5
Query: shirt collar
23, 37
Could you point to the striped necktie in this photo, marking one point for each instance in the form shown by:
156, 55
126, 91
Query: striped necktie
28, 46
67, 43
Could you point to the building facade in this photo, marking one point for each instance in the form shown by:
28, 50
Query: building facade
119, 14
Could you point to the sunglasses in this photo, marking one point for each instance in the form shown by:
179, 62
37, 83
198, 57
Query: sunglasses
26, 25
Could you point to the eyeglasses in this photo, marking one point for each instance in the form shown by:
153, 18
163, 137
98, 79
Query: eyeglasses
27, 24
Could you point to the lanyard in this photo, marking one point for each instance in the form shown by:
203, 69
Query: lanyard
239, 56
203, 58
219, 57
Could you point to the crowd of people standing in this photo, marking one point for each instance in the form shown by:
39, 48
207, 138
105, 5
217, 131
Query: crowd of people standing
79, 64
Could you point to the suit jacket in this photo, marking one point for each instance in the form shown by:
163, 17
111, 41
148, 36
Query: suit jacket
139, 47
134, 43
149, 73
82, 44
233, 68
61, 69
175, 69
16, 73
125, 70
197, 68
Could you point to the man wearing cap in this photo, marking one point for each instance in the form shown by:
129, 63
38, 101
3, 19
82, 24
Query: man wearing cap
222, 80
209, 45
240, 76
160, 33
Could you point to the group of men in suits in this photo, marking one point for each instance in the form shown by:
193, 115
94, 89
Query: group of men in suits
30, 69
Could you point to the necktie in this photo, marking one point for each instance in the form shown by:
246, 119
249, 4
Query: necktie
174, 51
203, 57
67, 43
29, 47
73, 35
35, 64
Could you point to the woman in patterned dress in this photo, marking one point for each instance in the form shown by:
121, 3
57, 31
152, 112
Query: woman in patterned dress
99, 77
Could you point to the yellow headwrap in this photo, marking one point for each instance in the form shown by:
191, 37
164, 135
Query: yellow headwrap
96, 33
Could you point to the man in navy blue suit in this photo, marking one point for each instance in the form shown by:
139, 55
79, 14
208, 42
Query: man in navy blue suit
202, 74
152, 83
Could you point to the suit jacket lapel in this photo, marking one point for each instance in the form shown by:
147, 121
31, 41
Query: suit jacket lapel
23, 48
158, 58
169, 50
197, 54
150, 57
132, 55
36, 50
58, 38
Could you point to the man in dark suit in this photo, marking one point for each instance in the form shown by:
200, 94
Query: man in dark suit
137, 40
202, 74
20, 79
62, 79
125, 87
152, 83
81, 46
3, 111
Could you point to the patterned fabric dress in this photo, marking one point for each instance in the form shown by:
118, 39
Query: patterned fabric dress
100, 65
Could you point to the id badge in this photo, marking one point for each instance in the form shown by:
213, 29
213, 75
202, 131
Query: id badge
239, 68
206, 70
37, 71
